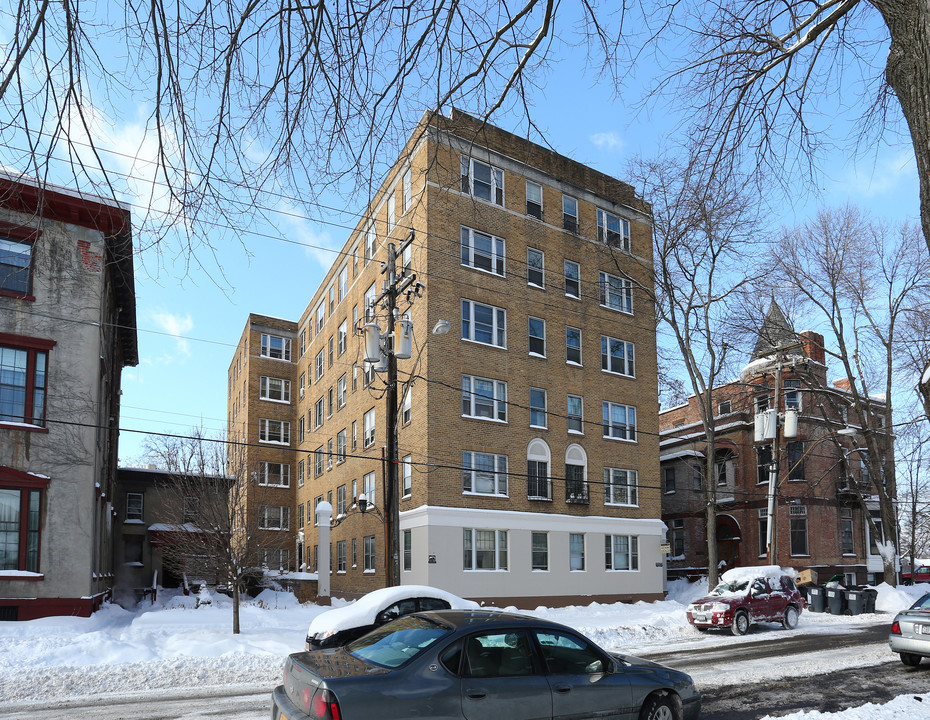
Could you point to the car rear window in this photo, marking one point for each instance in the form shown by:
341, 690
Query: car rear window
398, 642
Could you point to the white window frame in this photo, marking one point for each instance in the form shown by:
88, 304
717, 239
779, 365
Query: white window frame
369, 488
498, 328
391, 210
570, 219
496, 257
269, 351
497, 401
569, 348
368, 553
407, 190
615, 293
343, 336
621, 487
319, 366
135, 506
500, 551
536, 566
531, 266
619, 237
341, 446
368, 428
495, 183
371, 243
613, 553
274, 517
341, 385
406, 476
265, 431
494, 477
534, 204
579, 417
628, 428
576, 541
576, 280
624, 364
267, 392
535, 408
265, 474
320, 317
531, 337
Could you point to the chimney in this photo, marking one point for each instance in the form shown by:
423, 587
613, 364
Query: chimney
842, 384
813, 345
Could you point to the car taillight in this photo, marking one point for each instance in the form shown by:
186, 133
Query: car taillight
324, 706
895, 628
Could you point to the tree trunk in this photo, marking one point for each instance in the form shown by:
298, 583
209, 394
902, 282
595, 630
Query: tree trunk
235, 606
908, 73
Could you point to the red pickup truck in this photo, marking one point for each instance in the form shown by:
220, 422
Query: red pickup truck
921, 574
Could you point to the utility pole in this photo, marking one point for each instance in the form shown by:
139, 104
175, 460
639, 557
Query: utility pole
393, 287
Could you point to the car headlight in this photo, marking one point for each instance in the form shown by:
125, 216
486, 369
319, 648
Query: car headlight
719, 607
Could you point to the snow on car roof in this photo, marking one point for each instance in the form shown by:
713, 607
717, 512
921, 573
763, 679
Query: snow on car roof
753, 572
364, 610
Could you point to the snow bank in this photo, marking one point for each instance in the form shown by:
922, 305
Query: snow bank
912, 707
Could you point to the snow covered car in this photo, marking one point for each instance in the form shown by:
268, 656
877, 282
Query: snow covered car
746, 596
910, 632
478, 664
342, 625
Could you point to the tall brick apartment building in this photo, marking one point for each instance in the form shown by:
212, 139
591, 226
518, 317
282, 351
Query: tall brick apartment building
819, 521
528, 435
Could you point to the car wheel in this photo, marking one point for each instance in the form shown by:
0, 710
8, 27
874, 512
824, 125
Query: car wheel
658, 707
910, 659
740, 624
790, 621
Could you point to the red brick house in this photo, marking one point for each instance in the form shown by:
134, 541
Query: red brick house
819, 521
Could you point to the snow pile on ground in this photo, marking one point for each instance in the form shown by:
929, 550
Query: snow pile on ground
186, 641
912, 707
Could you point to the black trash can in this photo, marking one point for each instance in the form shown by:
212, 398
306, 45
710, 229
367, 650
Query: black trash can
861, 600
816, 598
836, 600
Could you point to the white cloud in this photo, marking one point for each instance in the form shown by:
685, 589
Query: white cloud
608, 141
177, 326
319, 246
888, 174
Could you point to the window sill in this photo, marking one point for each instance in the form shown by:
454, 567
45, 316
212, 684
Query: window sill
18, 296
475, 493
573, 297
618, 374
484, 344
485, 419
275, 442
133, 521
534, 285
272, 400
573, 363
20, 575
616, 504
28, 427
579, 433
537, 355
539, 498
368, 572
617, 439
618, 310
539, 427
482, 270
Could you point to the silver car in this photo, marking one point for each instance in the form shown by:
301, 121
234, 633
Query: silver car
474, 665
910, 632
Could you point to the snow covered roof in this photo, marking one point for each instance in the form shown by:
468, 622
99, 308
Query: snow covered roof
364, 610
753, 572
680, 454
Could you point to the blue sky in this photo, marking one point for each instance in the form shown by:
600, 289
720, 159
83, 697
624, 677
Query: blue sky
190, 315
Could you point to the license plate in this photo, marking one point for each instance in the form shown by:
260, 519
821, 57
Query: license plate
922, 629
700, 618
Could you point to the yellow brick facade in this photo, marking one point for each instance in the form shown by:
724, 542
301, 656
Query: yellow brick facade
438, 514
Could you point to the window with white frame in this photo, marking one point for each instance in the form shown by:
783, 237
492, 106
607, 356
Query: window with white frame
275, 558
538, 458
538, 417
613, 230
615, 293
621, 487
134, 504
276, 389
484, 398
406, 406
274, 431
300, 515
332, 299
300, 429
482, 180
343, 282
535, 267
354, 434
329, 345
576, 475
484, 549
574, 412
368, 487
341, 500
792, 394
406, 475
534, 199
368, 428
318, 409
408, 550
319, 461
275, 474
572, 279
617, 356
619, 421
576, 551
341, 446
343, 335
484, 324
570, 213
341, 556
275, 347
320, 317
274, 517
354, 552
539, 551
484, 473
573, 345
329, 454
300, 385
341, 392
621, 552
482, 251
391, 210
319, 365
537, 336
370, 295
407, 189
368, 553
303, 342
371, 242
300, 473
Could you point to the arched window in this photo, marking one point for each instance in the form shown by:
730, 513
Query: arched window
538, 463
576, 475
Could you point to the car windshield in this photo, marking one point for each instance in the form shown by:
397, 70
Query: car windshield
728, 588
398, 642
922, 604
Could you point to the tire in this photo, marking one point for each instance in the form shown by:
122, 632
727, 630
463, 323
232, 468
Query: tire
740, 624
910, 659
658, 707
790, 620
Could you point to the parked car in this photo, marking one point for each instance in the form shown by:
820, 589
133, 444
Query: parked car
474, 665
910, 632
344, 624
746, 596
921, 574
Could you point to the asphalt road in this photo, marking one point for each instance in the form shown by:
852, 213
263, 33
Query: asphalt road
828, 692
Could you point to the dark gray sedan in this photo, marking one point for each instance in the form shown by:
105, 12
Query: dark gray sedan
910, 632
474, 665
